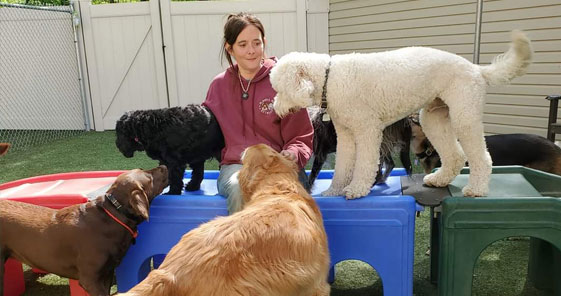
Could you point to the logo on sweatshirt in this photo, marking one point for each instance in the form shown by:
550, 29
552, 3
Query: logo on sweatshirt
266, 106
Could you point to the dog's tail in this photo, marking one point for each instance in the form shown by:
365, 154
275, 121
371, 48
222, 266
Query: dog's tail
510, 64
158, 283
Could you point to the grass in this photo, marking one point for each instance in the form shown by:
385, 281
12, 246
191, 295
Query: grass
88, 152
500, 270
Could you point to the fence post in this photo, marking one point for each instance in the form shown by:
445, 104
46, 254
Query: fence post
157, 18
76, 22
169, 50
95, 102
301, 16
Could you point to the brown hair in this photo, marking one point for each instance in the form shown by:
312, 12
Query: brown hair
233, 27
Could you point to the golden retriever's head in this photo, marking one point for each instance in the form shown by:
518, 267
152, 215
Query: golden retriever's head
136, 189
4, 148
261, 164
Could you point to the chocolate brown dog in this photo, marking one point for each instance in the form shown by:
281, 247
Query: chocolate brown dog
86, 241
4, 148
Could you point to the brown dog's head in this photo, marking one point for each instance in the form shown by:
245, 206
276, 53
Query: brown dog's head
262, 163
4, 148
136, 189
421, 146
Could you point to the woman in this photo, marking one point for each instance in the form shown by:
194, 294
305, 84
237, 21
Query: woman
241, 98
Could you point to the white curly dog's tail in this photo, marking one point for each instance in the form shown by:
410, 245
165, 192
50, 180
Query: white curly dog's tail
510, 64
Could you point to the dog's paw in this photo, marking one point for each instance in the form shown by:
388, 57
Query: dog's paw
356, 191
333, 192
469, 191
191, 186
437, 180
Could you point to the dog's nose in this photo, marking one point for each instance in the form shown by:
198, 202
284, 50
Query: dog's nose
163, 167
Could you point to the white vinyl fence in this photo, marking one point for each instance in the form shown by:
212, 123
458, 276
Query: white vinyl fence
160, 53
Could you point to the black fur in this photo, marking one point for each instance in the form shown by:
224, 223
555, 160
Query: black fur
527, 150
175, 137
396, 136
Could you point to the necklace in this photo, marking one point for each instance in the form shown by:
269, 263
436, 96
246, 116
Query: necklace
245, 93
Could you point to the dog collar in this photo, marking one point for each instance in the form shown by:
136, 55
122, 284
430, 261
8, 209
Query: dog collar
118, 206
136, 139
113, 200
428, 152
134, 233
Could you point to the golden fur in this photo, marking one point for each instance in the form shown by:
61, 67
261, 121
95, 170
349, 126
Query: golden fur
275, 246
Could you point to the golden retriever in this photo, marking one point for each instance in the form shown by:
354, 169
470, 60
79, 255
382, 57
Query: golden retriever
276, 245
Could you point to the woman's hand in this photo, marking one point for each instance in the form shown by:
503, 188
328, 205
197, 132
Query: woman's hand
289, 155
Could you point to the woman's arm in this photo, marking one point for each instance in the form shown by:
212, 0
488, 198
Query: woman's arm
298, 133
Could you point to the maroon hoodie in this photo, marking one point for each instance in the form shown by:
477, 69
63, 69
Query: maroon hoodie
253, 121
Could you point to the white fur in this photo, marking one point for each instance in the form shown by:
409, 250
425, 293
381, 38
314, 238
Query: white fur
367, 92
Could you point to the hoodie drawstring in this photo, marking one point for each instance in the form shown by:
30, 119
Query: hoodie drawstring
243, 117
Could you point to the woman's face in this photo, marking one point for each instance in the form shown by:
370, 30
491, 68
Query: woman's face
248, 50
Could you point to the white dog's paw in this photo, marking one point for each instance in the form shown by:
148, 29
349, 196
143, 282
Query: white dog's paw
353, 191
437, 179
333, 192
470, 191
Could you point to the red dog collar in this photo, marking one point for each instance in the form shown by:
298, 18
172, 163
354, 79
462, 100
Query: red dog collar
133, 233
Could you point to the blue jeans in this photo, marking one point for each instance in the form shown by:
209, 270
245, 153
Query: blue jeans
229, 187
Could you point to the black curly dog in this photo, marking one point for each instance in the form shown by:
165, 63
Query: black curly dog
175, 137
396, 136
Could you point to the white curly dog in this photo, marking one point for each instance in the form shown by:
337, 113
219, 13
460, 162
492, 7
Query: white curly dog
366, 92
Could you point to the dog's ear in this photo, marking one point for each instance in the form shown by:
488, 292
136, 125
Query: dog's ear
253, 158
304, 85
256, 161
4, 148
139, 202
287, 187
417, 131
247, 183
257, 155
417, 139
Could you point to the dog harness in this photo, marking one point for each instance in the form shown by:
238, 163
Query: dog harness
323, 105
118, 206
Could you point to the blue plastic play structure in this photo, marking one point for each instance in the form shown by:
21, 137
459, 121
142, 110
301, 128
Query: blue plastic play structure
377, 229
